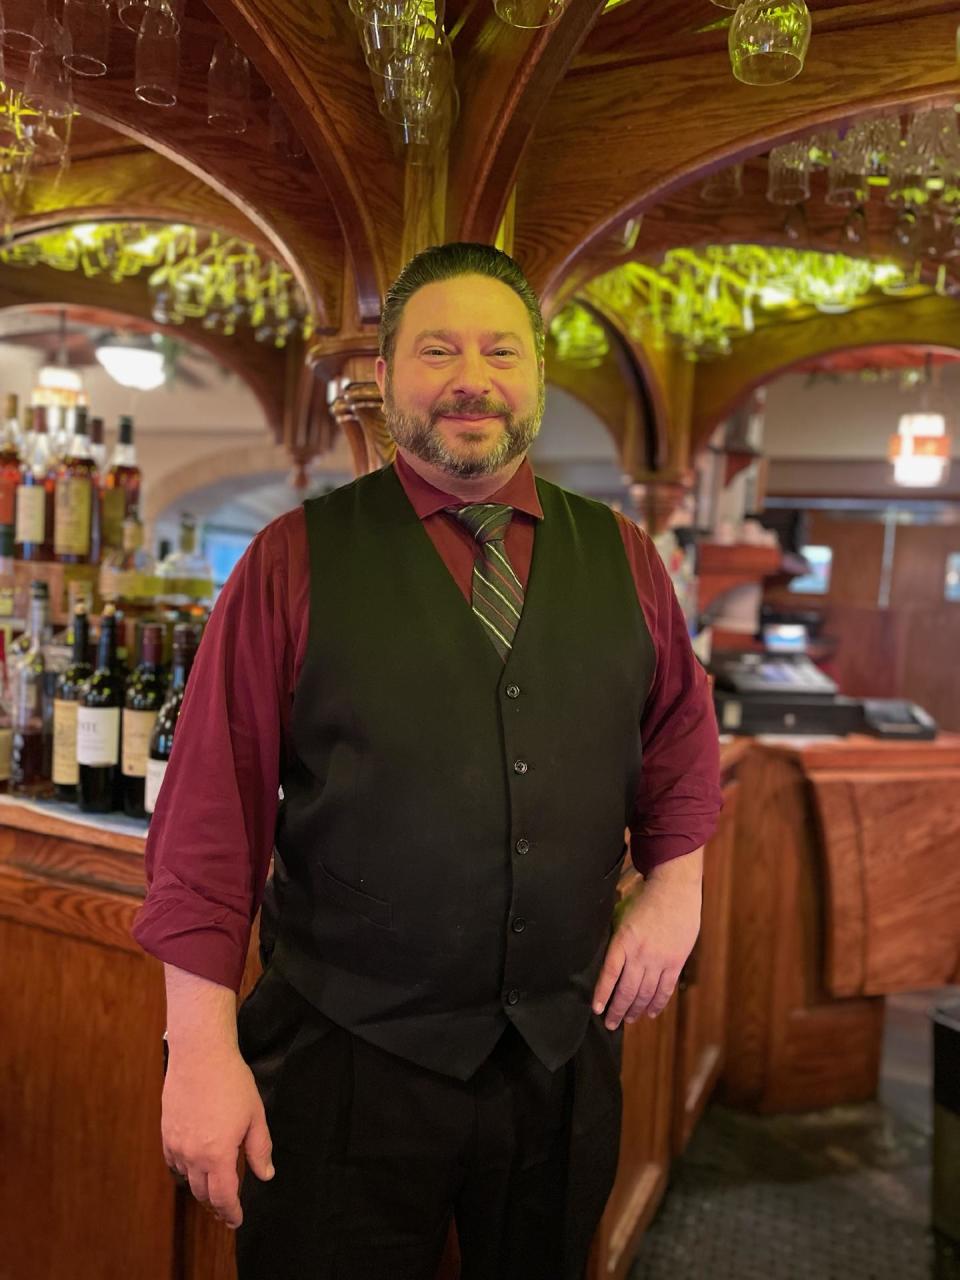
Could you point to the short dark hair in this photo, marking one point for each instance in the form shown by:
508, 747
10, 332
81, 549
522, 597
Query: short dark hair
445, 262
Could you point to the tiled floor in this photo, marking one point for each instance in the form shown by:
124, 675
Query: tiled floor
841, 1194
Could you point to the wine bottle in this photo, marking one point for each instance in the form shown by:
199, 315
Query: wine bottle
121, 485
6, 720
144, 698
75, 494
35, 494
69, 688
31, 754
99, 779
9, 475
185, 640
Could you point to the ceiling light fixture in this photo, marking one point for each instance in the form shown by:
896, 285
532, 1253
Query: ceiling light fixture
133, 362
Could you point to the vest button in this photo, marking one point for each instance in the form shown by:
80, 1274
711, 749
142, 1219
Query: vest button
523, 846
513, 691
513, 997
519, 766
518, 925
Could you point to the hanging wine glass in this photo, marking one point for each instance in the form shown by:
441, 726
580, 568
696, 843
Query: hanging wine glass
228, 87
724, 187
157, 57
21, 26
788, 174
87, 24
768, 40
529, 14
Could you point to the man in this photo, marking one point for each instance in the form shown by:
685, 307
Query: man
468, 683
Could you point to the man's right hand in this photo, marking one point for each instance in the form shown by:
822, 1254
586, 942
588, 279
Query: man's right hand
212, 1108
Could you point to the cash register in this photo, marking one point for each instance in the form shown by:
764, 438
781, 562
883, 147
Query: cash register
770, 693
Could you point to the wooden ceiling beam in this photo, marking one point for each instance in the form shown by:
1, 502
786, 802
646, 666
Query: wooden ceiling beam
506, 78
618, 139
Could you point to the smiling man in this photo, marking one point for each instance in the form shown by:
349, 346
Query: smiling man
468, 682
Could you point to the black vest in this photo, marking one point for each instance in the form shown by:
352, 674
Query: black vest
452, 827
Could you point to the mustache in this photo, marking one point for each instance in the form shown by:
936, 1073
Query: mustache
476, 406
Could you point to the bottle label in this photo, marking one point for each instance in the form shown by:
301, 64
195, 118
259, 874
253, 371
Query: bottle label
98, 735
73, 504
6, 747
114, 511
31, 513
137, 728
156, 769
65, 771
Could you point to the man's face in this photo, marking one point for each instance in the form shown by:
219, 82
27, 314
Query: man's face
465, 389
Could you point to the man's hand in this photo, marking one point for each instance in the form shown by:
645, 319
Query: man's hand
211, 1107
651, 945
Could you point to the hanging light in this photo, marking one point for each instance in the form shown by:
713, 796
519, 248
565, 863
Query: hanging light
57, 383
133, 362
920, 451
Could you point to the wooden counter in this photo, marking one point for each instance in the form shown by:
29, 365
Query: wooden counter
81, 1062
846, 888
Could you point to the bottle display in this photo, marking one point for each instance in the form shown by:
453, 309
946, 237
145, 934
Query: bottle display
185, 640
35, 494
121, 485
145, 695
74, 498
99, 778
68, 690
32, 719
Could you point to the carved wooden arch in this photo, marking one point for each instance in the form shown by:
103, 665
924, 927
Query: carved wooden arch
284, 199
311, 57
131, 182
931, 322
98, 300
601, 153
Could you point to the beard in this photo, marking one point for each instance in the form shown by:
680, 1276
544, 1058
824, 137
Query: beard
422, 437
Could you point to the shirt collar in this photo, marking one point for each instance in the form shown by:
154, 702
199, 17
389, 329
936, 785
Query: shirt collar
520, 491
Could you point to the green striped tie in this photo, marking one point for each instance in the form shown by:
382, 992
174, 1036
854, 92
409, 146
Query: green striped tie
497, 591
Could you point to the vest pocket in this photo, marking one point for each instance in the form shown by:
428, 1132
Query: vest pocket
345, 895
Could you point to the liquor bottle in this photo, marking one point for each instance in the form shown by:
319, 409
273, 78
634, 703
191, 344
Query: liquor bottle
35, 495
11, 422
75, 493
185, 577
97, 448
31, 756
9, 475
128, 573
185, 640
69, 688
99, 781
6, 720
121, 485
145, 696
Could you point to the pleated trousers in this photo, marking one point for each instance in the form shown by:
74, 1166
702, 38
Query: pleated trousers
375, 1155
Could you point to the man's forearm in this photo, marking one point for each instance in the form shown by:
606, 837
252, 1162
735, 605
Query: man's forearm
201, 1015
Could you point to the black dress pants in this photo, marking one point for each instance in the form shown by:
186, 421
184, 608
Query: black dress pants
374, 1155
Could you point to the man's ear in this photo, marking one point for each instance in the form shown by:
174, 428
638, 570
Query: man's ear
380, 373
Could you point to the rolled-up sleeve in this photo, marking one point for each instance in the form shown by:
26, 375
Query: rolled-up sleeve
211, 837
678, 798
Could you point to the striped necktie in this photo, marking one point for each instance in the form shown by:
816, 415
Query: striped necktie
497, 591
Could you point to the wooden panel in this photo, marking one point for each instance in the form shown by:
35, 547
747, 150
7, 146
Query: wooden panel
88, 1196
702, 1005
783, 1028
892, 851
644, 1166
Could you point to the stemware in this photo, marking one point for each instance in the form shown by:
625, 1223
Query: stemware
228, 87
157, 57
21, 25
788, 174
87, 24
724, 187
768, 40
529, 14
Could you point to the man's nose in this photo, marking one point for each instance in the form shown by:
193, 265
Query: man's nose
471, 377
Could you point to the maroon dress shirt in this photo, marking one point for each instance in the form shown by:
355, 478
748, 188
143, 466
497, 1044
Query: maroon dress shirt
211, 838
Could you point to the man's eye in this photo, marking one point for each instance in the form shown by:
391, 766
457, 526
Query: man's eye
504, 351
435, 351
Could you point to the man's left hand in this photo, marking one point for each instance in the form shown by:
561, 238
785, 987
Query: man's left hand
648, 950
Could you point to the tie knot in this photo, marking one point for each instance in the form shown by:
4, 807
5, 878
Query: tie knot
487, 521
